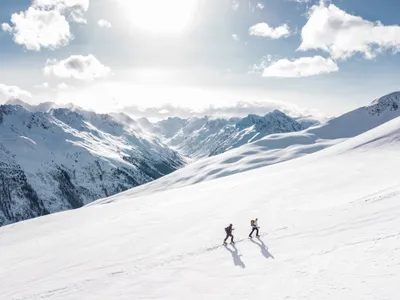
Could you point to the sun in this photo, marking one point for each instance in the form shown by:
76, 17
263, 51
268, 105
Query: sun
161, 16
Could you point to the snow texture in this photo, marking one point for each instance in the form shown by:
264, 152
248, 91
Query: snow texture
329, 230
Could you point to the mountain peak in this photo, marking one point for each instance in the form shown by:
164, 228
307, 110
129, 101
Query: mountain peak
249, 120
275, 112
41, 107
273, 116
395, 96
12, 109
389, 102
15, 101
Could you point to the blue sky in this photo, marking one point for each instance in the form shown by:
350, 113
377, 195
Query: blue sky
183, 56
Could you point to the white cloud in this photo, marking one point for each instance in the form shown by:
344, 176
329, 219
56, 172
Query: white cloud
77, 17
74, 9
45, 23
44, 85
264, 30
78, 67
264, 63
343, 35
36, 28
260, 5
62, 86
12, 92
104, 24
6, 28
62, 4
235, 37
235, 109
302, 67
110, 95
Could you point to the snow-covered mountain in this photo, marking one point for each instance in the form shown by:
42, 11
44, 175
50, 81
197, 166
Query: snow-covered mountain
63, 159
360, 120
329, 230
55, 159
278, 148
171, 126
207, 136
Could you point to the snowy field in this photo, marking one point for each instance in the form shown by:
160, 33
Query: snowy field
329, 221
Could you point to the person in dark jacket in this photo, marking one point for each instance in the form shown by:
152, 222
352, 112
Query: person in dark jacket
228, 231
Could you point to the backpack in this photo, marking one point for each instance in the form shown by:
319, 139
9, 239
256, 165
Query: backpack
252, 223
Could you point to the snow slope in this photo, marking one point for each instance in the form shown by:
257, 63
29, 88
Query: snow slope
247, 157
63, 159
277, 148
329, 221
360, 120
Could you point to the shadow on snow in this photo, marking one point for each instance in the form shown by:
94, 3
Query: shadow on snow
263, 248
236, 256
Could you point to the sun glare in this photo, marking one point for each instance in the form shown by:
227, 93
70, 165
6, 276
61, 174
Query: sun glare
161, 16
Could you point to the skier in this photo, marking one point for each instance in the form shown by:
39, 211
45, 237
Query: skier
254, 226
228, 231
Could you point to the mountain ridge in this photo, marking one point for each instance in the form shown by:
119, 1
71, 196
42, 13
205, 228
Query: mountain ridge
278, 148
198, 137
63, 159
209, 136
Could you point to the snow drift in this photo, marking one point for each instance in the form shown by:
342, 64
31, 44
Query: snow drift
329, 223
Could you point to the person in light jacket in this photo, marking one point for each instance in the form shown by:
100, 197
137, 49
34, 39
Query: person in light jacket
254, 226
